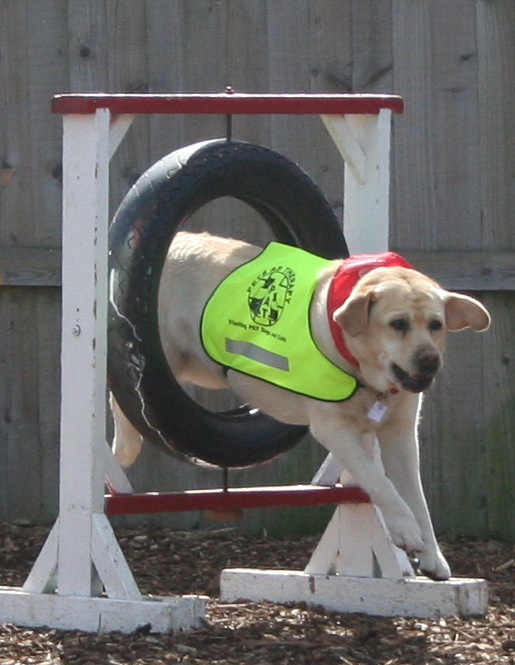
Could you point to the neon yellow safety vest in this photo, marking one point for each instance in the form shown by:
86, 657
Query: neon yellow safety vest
257, 322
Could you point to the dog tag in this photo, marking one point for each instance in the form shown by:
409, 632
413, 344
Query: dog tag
377, 412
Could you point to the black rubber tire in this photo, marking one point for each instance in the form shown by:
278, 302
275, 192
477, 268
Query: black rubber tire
155, 208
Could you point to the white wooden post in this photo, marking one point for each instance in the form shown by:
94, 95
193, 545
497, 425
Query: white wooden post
364, 143
84, 351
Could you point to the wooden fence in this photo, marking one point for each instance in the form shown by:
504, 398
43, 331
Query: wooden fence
453, 196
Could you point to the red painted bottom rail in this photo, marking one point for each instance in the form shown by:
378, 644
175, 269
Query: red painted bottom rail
235, 498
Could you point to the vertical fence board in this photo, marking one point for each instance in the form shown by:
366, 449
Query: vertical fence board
128, 72
88, 46
438, 64
305, 65
372, 58
452, 448
415, 201
48, 68
17, 226
414, 204
5, 408
47, 313
454, 113
23, 437
30, 216
496, 55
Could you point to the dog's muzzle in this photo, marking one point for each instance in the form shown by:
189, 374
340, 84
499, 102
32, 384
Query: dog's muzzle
427, 362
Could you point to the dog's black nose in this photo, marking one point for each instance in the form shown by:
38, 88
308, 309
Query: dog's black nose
427, 360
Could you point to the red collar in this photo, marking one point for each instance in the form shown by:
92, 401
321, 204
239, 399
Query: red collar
344, 280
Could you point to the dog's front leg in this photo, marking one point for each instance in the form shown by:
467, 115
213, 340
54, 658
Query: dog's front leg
399, 454
344, 440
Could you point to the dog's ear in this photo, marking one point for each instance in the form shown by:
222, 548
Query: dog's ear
465, 312
352, 316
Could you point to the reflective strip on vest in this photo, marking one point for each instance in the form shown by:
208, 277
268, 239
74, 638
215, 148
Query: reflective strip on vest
257, 322
258, 354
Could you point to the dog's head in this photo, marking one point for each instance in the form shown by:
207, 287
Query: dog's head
395, 323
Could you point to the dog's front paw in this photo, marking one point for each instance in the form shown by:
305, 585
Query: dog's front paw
434, 565
405, 531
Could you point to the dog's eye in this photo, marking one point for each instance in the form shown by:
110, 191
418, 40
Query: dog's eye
435, 325
400, 325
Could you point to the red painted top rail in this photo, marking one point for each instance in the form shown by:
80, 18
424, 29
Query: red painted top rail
235, 498
227, 103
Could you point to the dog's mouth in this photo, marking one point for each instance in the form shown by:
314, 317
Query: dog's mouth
415, 384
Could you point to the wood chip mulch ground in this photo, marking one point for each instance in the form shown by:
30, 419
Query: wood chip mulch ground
167, 563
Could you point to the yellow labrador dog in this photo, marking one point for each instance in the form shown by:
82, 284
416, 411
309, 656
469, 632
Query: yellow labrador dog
385, 338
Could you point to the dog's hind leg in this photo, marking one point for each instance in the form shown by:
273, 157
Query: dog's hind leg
127, 442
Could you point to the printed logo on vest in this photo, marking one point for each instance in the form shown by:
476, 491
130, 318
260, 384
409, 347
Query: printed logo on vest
269, 294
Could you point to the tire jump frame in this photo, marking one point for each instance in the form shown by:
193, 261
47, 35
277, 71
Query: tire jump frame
81, 579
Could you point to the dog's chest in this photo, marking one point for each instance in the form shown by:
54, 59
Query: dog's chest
370, 411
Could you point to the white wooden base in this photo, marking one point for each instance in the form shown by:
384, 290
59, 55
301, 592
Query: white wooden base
93, 615
412, 596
